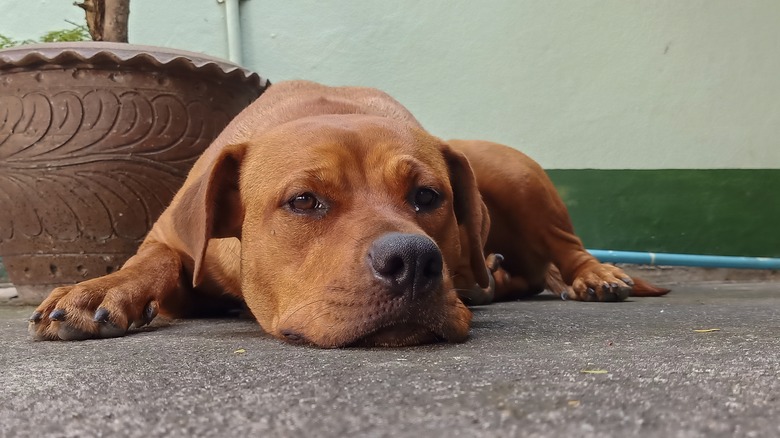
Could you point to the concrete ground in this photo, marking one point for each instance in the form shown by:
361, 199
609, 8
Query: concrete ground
535, 368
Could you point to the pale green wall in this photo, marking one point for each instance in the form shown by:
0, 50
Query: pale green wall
576, 84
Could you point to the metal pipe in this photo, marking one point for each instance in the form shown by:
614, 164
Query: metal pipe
233, 23
701, 261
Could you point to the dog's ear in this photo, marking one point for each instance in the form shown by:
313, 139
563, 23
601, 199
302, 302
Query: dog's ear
470, 212
211, 206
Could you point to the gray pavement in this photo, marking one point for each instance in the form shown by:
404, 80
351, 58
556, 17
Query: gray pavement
521, 374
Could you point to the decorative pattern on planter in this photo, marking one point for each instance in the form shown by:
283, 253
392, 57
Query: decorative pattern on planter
92, 152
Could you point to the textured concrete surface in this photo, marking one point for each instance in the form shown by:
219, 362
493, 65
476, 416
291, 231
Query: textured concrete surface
521, 374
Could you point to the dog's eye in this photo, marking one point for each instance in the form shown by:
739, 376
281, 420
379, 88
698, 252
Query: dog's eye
304, 203
425, 199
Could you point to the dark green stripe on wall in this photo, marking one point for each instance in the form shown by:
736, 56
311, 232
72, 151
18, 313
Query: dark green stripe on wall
720, 212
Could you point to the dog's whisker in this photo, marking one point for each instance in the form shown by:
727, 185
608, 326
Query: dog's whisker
299, 308
324, 310
321, 314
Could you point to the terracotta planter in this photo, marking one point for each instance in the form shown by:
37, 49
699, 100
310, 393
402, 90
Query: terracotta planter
95, 138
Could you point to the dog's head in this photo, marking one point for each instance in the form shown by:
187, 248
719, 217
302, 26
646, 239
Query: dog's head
354, 230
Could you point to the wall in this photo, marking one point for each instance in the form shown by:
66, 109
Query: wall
667, 90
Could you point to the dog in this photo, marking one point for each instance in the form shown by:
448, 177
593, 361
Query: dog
339, 221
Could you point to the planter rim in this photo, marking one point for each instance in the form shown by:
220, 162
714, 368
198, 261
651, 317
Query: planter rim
103, 53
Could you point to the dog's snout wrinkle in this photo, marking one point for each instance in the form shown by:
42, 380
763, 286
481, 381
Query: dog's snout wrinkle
409, 264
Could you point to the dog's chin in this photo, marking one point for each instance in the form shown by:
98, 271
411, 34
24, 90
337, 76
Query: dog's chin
393, 335
398, 335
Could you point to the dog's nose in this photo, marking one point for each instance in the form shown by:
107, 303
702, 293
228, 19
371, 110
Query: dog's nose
407, 263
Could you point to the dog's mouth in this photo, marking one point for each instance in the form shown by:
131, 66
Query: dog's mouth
397, 335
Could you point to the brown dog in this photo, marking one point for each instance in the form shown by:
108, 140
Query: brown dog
339, 221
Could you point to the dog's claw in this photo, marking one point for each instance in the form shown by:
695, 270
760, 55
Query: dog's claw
36, 316
101, 315
57, 315
628, 281
591, 291
151, 311
494, 262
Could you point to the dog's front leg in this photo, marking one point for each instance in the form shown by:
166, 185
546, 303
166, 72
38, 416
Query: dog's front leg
108, 306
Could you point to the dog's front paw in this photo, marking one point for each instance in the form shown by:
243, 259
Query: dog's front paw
600, 282
105, 307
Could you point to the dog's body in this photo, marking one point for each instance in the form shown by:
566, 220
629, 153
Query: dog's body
339, 221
